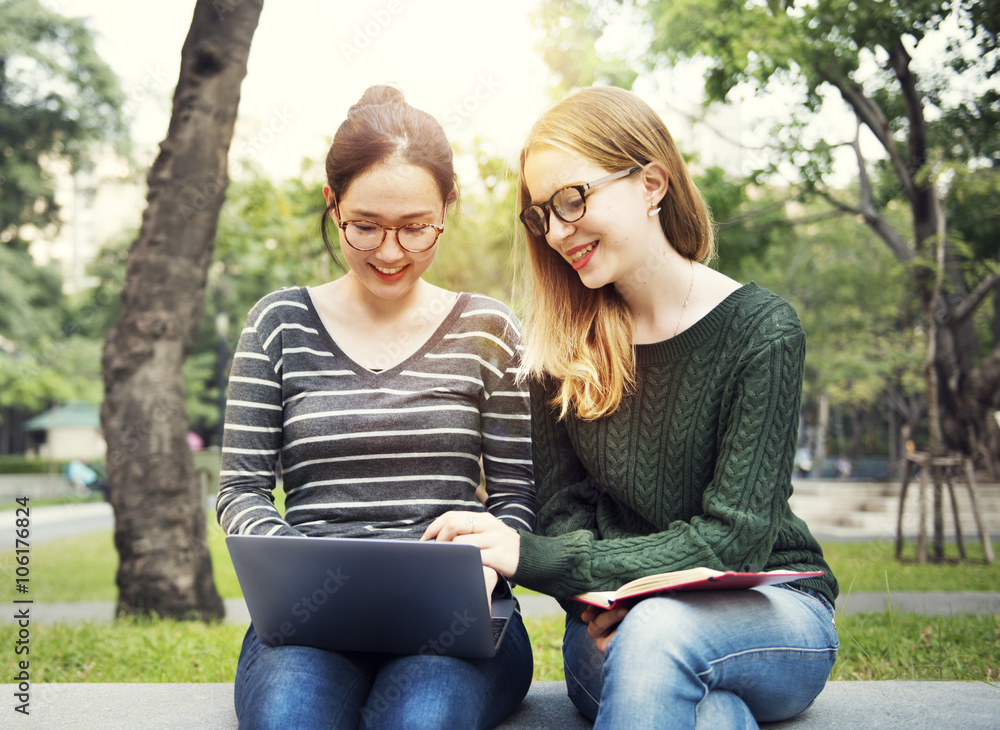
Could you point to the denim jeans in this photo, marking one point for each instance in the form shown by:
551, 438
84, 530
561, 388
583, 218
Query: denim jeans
300, 687
710, 659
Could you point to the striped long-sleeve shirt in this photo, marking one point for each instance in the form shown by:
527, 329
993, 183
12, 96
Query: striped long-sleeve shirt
374, 454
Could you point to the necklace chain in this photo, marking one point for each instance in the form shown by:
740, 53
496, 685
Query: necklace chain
687, 300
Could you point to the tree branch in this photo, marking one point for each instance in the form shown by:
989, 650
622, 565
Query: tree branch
873, 118
923, 198
866, 209
975, 298
788, 222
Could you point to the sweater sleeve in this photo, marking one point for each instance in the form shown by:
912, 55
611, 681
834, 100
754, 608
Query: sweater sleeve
741, 506
505, 424
253, 434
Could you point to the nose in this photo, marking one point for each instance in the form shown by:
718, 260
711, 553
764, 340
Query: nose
559, 230
390, 250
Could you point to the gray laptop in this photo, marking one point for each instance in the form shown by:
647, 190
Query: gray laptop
352, 594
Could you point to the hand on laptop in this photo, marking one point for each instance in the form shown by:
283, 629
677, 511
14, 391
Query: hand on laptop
499, 545
491, 577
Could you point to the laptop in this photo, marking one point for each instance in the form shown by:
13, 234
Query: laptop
369, 594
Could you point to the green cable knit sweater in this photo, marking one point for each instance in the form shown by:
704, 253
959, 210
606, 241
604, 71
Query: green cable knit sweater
693, 468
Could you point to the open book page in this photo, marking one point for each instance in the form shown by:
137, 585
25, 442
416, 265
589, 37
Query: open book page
693, 579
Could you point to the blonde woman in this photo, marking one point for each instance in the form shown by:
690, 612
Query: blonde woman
665, 401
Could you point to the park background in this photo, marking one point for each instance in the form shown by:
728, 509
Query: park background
774, 146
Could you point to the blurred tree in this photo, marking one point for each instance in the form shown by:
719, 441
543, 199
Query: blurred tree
165, 568
864, 351
42, 358
57, 98
933, 132
476, 249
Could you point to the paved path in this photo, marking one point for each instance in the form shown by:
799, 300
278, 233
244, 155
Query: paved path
48, 524
928, 604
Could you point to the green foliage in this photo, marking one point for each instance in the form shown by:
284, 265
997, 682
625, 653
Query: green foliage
17, 464
42, 359
31, 300
573, 30
848, 291
57, 97
932, 112
476, 249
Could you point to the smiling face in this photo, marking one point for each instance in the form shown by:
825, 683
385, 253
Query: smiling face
609, 241
391, 194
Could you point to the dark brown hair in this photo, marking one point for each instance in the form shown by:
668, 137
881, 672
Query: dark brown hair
381, 127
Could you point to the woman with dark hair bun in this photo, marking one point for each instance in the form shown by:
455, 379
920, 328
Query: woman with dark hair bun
380, 395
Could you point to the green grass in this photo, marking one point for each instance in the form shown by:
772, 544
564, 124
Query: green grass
907, 646
129, 650
869, 566
873, 646
83, 569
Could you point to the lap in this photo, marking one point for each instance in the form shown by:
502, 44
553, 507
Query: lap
771, 647
294, 686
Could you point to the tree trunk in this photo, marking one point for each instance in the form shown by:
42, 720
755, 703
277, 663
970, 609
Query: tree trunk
160, 521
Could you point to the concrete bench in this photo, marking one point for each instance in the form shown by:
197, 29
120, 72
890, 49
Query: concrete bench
895, 704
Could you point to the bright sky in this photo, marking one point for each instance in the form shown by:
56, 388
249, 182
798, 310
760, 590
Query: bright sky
470, 64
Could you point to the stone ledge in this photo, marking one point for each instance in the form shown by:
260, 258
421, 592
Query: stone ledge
893, 704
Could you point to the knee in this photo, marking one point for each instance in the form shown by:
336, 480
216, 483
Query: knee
419, 710
660, 623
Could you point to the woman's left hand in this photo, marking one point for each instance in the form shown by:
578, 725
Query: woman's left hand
499, 545
603, 625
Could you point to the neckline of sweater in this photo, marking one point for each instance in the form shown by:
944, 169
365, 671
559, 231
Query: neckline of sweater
701, 331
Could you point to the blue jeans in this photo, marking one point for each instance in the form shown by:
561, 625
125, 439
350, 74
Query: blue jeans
725, 659
300, 687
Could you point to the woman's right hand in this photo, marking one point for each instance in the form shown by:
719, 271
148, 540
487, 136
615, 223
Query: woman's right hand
499, 545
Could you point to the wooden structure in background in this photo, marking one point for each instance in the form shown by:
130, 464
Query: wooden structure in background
940, 471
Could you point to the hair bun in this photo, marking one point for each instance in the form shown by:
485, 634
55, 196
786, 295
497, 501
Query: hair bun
376, 95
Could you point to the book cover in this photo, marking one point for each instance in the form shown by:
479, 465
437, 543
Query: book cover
693, 579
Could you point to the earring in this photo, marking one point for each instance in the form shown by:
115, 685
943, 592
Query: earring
652, 211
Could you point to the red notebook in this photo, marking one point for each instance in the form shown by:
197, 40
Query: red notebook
693, 579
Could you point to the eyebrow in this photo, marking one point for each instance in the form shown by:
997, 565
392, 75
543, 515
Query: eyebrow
561, 187
370, 215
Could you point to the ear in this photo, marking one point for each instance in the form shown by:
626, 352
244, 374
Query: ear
655, 181
331, 199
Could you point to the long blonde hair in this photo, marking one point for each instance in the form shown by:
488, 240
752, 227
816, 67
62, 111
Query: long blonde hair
580, 336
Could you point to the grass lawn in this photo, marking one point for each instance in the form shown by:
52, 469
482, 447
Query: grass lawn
873, 646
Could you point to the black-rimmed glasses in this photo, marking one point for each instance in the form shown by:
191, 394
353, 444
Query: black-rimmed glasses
568, 203
413, 237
